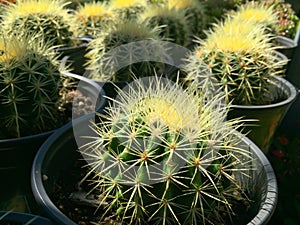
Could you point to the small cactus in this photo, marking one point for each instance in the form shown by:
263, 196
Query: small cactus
195, 14
241, 57
30, 81
173, 23
162, 156
128, 9
94, 16
49, 19
106, 56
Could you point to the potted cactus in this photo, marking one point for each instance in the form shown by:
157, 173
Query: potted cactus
128, 9
33, 103
242, 60
157, 155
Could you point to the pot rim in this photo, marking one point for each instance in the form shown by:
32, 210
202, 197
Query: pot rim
285, 86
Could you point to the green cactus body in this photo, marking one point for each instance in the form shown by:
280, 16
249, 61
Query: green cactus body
124, 42
49, 19
195, 15
29, 87
164, 161
173, 23
95, 16
129, 9
241, 58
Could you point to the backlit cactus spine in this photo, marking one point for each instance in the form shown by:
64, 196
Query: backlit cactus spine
128, 9
162, 156
30, 82
195, 14
124, 50
51, 20
172, 21
94, 16
241, 58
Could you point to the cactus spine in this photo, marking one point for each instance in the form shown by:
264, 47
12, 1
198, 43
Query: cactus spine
195, 14
50, 19
128, 9
30, 82
106, 56
241, 57
162, 156
172, 21
94, 16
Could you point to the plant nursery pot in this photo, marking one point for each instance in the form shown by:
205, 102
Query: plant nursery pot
51, 169
18, 218
287, 46
17, 154
267, 117
76, 57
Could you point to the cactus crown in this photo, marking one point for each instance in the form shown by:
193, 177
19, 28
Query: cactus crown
106, 55
153, 168
173, 23
94, 16
30, 81
241, 61
50, 19
258, 13
129, 9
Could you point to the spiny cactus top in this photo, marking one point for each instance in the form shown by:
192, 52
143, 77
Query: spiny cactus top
30, 82
258, 13
242, 58
128, 9
94, 16
123, 50
163, 156
195, 14
173, 23
50, 19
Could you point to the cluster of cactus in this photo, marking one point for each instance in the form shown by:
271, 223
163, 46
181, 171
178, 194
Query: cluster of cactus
195, 15
163, 156
128, 9
94, 16
30, 81
124, 50
51, 20
173, 23
241, 57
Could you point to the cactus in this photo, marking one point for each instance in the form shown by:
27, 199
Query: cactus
258, 13
105, 56
162, 156
128, 9
30, 81
50, 19
195, 14
94, 16
173, 23
241, 57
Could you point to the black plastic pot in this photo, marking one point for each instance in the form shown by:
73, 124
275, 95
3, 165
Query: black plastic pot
17, 154
50, 162
18, 218
268, 117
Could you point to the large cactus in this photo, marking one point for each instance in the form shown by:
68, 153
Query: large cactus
173, 23
162, 156
242, 59
125, 50
50, 19
30, 83
94, 16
